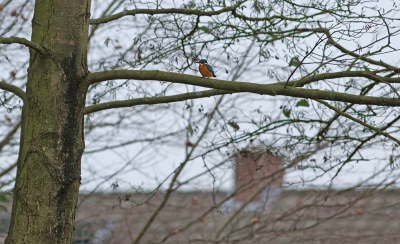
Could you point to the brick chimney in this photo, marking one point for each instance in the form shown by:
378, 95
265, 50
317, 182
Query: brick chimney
257, 168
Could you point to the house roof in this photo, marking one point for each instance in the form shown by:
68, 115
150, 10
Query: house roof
363, 216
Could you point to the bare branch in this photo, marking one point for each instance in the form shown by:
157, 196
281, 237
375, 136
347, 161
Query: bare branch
154, 100
23, 41
358, 121
270, 18
176, 174
14, 89
8, 170
343, 74
361, 57
164, 11
262, 89
9, 136
302, 61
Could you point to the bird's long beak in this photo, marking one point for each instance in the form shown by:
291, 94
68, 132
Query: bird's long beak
197, 62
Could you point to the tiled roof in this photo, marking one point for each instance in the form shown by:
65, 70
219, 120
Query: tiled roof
297, 217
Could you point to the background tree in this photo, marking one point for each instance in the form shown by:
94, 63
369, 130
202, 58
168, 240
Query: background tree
326, 67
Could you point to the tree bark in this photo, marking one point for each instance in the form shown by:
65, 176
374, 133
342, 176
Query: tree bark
52, 142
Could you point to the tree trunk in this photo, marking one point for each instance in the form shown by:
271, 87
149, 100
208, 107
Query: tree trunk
52, 143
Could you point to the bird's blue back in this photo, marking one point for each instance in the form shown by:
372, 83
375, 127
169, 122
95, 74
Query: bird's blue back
210, 69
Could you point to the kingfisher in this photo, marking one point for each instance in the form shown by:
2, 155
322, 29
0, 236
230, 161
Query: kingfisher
205, 69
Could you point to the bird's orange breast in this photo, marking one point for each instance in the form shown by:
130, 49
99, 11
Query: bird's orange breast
204, 71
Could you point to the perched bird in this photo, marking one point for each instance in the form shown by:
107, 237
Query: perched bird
205, 69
